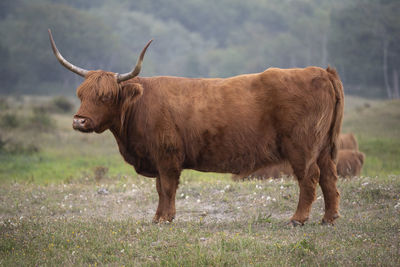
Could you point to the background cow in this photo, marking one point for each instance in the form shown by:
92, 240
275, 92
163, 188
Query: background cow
347, 142
350, 162
274, 171
235, 125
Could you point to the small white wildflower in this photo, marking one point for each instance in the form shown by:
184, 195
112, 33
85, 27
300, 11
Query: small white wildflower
282, 187
364, 184
122, 250
274, 199
186, 197
124, 185
268, 198
198, 200
73, 252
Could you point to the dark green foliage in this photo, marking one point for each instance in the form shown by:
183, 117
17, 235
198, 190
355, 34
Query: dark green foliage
360, 34
9, 120
10, 146
62, 104
3, 104
40, 120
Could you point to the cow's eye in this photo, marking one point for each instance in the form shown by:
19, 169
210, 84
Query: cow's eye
105, 99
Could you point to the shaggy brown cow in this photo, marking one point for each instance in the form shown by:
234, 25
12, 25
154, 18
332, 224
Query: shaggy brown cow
272, 171
350, 162
348, 141
235, 125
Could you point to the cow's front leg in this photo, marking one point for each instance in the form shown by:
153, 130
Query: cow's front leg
167, 184
161, 201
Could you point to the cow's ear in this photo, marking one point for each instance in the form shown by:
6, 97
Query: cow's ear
132, 90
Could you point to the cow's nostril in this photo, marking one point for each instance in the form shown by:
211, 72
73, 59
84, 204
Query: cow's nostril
82, 121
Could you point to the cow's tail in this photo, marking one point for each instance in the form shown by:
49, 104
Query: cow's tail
338, 111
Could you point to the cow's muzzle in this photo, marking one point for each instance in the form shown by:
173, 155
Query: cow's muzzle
82, 124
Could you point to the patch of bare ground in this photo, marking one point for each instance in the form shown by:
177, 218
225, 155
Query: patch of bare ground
135, 198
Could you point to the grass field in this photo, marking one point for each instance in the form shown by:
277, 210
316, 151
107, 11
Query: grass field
52, 213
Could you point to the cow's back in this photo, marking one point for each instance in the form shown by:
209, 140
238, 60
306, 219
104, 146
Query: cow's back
348, 141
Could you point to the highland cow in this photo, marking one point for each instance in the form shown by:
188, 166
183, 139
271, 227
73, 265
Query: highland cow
274, 171
350, 162
234, 125
348, 141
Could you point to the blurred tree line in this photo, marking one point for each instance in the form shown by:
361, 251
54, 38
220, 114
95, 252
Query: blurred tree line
194, 38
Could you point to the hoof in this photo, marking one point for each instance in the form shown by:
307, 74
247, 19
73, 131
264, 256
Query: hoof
329, 220
156, 219
163, 219
295, 223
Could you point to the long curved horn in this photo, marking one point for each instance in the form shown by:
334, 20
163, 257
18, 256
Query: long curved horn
135, 72
63, 61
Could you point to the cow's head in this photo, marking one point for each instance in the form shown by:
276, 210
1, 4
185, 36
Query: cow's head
101, 94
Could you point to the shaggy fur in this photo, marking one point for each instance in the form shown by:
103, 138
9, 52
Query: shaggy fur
235, 125
350, 163
348, 141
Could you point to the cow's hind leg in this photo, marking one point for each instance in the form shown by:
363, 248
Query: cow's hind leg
327, 182
307, 173
308, 179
